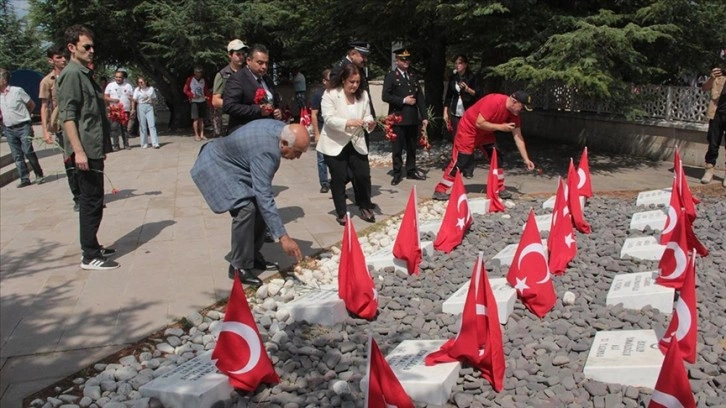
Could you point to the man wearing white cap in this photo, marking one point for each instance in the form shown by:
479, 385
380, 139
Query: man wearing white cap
237, 51
358, 55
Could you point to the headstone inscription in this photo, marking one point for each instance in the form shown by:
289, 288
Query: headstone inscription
645, 248
636, 290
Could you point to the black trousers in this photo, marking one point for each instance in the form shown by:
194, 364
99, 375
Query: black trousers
248, 236
465, 162
70, 171
716, 133
90, 185
406, 138
116, 130
338, 166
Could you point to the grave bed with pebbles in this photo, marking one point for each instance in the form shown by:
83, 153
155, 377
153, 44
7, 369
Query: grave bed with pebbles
323, 366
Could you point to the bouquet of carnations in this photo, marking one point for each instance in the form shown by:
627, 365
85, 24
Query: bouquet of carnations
387, 122
423, 140
116, 113
262, 100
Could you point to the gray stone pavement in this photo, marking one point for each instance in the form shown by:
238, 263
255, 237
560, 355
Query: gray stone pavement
56, 318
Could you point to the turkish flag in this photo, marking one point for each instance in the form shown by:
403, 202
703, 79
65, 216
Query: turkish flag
355, 285
408, 241
674, 209
687, 199
384, 389
573, 201
305, 119
584, 182
684, 322
561, 240
691, 239
457, 218
528, 266
674, 260
479, 340
495, 184
672, 388
239, 351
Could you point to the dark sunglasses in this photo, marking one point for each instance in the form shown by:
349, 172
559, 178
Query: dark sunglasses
87, 46
403, 58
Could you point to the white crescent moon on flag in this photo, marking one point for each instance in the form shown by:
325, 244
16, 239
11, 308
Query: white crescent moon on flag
462, 198
670, 221
666, 400
535, 247
680, 261
582, 178
684, 319
249, 335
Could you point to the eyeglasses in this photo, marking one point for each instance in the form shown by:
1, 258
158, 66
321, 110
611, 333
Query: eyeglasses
403, 58
87, 46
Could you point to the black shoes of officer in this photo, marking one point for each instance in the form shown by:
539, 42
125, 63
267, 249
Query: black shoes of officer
367, 215
416, 176
396, 180
264, 265
245, 276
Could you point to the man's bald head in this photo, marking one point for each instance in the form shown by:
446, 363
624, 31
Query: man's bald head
294, 141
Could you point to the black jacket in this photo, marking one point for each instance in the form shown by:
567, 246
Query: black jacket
239, 98
452, 95
396, 88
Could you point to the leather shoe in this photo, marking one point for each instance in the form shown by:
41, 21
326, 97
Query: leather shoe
367, 215
416, 176
324, 189
396, 180
265, 265
231, 272
246, 277
340, 220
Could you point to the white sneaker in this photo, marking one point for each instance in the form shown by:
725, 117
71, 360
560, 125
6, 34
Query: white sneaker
156, 146
146, 146
708, 174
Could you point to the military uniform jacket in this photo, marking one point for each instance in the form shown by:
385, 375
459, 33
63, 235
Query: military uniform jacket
338, 68
395, 88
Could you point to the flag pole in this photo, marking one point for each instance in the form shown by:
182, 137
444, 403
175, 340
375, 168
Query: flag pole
368, 368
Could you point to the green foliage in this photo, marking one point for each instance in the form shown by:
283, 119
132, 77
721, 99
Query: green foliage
21, 46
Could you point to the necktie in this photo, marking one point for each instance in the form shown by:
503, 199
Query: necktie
259, 81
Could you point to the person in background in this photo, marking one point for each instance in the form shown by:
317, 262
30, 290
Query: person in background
461, 92
15, 107
119, 92
346, 112
716, 114
237, 51
197, 91
357, 55
317, 121
142, 103
300, 86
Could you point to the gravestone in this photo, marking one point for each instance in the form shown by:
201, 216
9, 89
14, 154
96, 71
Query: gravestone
504, 257
655, 219
550, 203
626, 357
383, 258
644, 248
636, 290
425, 384
317, 306
479, 205
432, 226
504, 294
544, 222
193, 384
654, 197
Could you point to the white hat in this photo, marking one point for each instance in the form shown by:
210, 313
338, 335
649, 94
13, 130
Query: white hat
236, 45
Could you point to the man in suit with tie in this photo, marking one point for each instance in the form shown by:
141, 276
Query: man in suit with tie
405, 98
234, 174
242, 88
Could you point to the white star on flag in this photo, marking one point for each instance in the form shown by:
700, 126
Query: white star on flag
460, 223
569, 240
521, 285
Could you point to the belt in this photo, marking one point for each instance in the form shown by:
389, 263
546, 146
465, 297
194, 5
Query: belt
19, 125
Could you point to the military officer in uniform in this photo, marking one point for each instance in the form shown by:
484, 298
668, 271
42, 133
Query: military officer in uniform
404, 96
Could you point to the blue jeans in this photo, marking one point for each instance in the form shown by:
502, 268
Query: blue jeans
322, 170
147, 123
21, 146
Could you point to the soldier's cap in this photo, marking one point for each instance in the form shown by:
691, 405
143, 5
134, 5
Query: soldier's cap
361, 46
236, 45
523, 98
402, 53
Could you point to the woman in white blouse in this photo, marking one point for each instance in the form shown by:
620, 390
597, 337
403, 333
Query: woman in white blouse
347, 114
143, 103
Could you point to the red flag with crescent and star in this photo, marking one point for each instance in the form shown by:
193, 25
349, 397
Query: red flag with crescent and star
561, 241
239, 351
584, 182
674, 209
384, 389
684, 321
495, 184
673, 262
691, 239
529, 272
672, 388
457, 218
408, 241
355, 284
479, 340
687, 199
573, 201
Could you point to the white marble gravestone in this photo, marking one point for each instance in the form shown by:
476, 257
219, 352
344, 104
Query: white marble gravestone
645, 248
626, 357
384, 257
636, 290
550, 203
426, 384
317, 306
505, 256
504, 294
479, 205
193, 384
655, 197
655, 219
432, 226
544, 222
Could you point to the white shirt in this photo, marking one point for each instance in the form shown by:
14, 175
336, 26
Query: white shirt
144, 95
13, 105
122, 92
